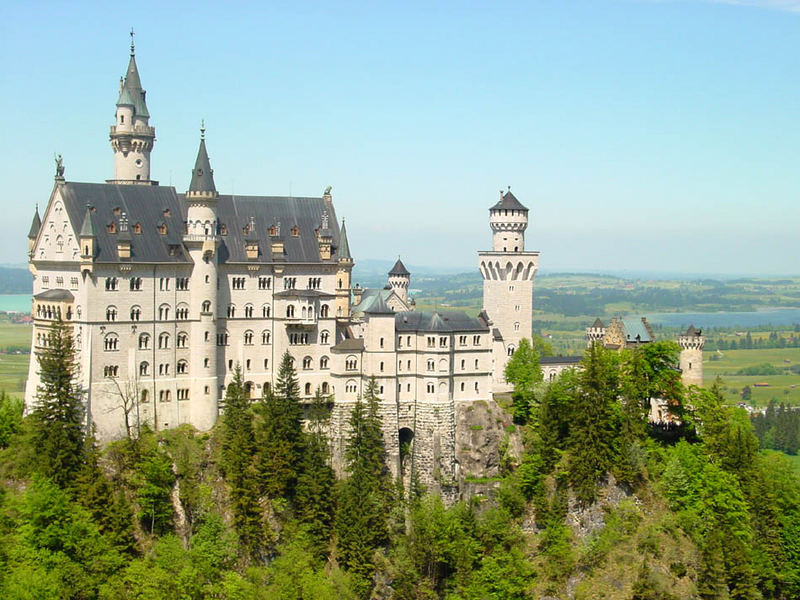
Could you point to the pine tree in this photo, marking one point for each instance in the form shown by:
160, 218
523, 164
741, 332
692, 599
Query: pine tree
364, 499
238, 443
524, 372
711, 578
314, 496
58, 419
279, 434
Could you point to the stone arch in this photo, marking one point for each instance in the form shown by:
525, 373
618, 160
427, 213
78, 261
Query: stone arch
405, 439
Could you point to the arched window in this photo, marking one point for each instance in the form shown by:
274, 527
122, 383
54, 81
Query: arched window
265, 337
350, 386
324, 337
231, 311
135, 284
163, 312
182, 340
323, 362
136, 312
290, 311
206, 306
516, 326
431, 364
248, 311
248, 338
182, 312
145, 396
510, 350
429, 388
111, 313
111, 342
351, 363
144, 341
323, 311
182, 367
462, 386
144, 369
308, 389
163, 341
307, 362
325, 387
266, 311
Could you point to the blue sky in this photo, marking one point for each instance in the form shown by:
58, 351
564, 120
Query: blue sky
649, 135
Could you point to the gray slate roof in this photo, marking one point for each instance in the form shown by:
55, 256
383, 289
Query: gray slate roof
55, 295
692, 332
379, 306
598, 323
399, 269
344, 246
202, 174
509, 201
636, 330
36, 225
349, 345
437, 321
132, 93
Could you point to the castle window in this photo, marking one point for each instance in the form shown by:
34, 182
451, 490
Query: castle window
477, 387
248, 311
182, 283
145, 396
431, 364
144, 368
351, 363
510, 350
163, 369
183, 394
323, 337
135, 284
182, 312
307, 362
265, 337
110, 371
264, 283
59, 244
137, 228
462, 340
164, 396
429, 388
248, 338
163, 284
266, 311
295, 231
399, 365
111, 313
73, 283
476, 340
325, 387
380, 368
516, 326
144, 341
297, 339
111, 284
162, 227
206, 306
163, 312
266, 364
409, 365
182, 340
510, 288
380, 343
308, 389
323, 311
463, 364
45, 281
431, 341
323, 362
111, 227
290, 311
231, 311
222, 339
516, 307
111, 342
350, 387
442, 342
163, 341
476, 363
462, 386
206, 362
238, 283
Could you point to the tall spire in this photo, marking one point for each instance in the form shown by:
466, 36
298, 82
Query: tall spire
344, 247
202, 174
36, 225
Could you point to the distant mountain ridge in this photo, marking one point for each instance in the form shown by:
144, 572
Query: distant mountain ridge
15, 280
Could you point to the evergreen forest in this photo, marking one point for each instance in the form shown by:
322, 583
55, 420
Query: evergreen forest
595, 503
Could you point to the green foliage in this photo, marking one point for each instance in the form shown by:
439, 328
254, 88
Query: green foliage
154, 480
10, 418
279, 434
58, 419
523, 371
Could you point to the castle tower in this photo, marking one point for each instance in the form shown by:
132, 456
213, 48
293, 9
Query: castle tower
596, 332
201, 241
343, 275
131, 136
691, 358
508, 272
400, 279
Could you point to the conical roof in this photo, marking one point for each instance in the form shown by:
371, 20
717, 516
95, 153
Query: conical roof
132, 93
202, 174
36, 225
399, 268
692, 331
598, 323
509, 201
344, 247
87, 229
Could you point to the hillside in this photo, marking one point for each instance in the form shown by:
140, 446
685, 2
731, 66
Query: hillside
593, 504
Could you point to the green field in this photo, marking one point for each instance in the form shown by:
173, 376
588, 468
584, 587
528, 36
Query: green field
784, 388
14, 367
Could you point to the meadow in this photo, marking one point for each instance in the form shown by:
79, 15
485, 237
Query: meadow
14, 367
728, 363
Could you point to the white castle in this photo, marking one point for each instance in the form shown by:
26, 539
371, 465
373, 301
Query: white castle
166, 293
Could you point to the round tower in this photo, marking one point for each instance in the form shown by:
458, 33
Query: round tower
400, 279
201, 241
508, 220
132, 137
691, 358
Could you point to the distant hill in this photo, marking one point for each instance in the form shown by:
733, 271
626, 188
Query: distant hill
15, 281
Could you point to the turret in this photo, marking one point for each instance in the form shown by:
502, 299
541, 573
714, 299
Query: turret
596, 332
400, 279
87, 239
33, 233
201, 241
343, 274
691, 358
131, 136
508, 220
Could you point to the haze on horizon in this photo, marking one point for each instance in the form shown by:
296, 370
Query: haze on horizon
652, 136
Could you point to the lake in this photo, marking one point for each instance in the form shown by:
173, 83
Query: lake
15, 303
776, 316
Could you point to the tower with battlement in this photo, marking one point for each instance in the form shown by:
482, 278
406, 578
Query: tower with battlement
508, 271
691, 358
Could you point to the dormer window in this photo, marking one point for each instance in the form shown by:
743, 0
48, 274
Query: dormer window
117, 211
223, 230
295, 231
111, 227
273, 230
137, 228
162, 228
167, 212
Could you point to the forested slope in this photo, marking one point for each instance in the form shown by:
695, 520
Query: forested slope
600, 505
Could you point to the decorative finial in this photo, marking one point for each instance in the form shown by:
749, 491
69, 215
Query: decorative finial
132, 47
59, 167
202, 129
327, 191
509, 188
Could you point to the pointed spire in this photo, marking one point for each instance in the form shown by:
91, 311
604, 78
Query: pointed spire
36, 225
379, 306
131, 92
87, 229
202, 174
344, 247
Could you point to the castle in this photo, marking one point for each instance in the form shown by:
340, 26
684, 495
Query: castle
167, 293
